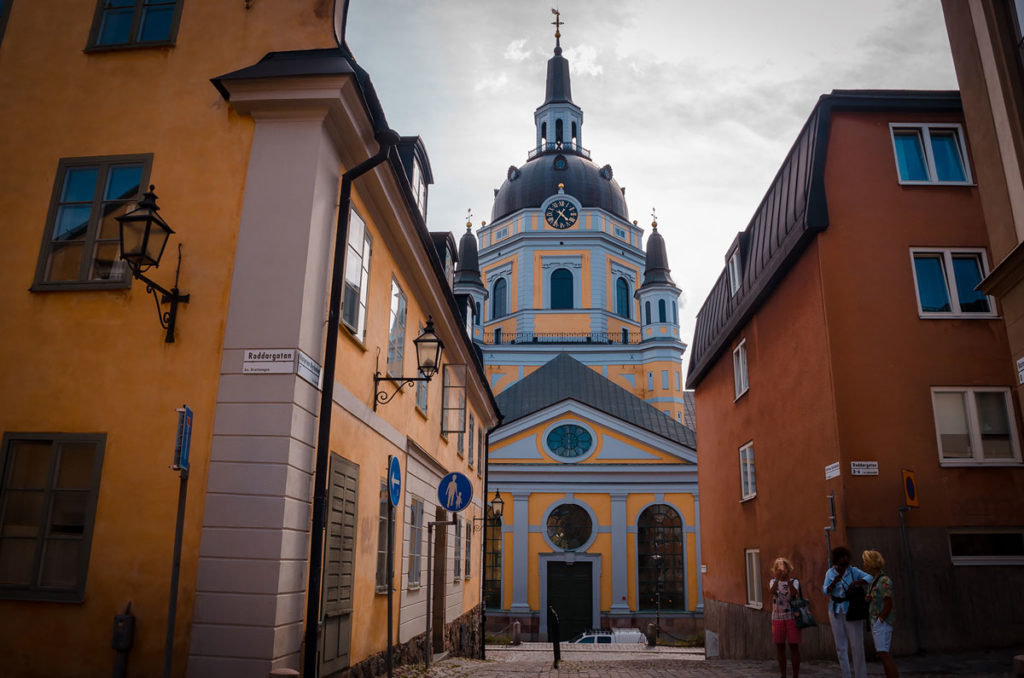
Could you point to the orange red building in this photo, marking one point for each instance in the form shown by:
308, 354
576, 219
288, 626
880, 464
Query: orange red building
844, 342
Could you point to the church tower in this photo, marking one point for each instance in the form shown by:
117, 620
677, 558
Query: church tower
579, 329
563, 269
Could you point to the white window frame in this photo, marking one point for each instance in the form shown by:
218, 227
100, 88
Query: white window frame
740, 370
363, 256
947, 267
735, 273
982, 560
748, 473
752, 565
973, 428
396, 330
925, 128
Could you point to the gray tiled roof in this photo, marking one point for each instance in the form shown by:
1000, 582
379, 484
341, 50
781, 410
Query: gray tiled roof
565, 378
689, 410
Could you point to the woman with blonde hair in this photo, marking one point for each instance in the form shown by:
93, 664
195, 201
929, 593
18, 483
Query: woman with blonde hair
784, 589
881, 610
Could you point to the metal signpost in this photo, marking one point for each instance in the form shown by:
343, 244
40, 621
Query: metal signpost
182, 447
453, 494
394, 496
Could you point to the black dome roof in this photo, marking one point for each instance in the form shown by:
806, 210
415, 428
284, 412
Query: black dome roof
468, 269
538, 179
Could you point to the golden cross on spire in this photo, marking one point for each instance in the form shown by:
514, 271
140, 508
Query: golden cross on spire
469, 218
557, 23
654, 217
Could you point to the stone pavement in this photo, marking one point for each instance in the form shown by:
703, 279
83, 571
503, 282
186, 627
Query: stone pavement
534, 660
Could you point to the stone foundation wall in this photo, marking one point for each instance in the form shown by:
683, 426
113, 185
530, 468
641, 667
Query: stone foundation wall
740, 632
461, 638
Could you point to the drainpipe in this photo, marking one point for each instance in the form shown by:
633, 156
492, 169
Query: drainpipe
387, 140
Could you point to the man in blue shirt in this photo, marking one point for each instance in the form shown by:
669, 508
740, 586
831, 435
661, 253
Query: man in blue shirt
849, 635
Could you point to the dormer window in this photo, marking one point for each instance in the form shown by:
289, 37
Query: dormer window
735, 273
419, 188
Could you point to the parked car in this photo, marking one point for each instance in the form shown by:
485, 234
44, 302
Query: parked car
608, 636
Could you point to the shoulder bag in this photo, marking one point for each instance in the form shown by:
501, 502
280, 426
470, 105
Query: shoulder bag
801, 610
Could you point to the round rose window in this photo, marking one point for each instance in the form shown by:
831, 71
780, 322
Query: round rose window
569, 441
569, 526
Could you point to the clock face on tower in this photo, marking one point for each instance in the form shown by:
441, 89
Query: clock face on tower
561, 214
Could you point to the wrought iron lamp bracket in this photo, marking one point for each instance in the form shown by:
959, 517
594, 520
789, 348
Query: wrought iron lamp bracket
165, 296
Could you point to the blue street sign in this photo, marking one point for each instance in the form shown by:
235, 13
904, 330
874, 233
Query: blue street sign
455, 492
394, 481
183, 440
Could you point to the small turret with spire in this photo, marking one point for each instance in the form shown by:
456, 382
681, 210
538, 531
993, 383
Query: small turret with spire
658, 295
467, 275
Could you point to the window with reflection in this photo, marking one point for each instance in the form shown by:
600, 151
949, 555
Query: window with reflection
81, 246
561, 288
499, 299
622, 297
492, 561
135, 23
661, 569
569, 526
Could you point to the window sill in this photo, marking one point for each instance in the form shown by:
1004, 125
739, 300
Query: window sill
755, 606
743, 393
43, 596
973, 463
967, 184
986, 561
957, 316
413, 587
752, 497
92, 285
92, 49
422, 413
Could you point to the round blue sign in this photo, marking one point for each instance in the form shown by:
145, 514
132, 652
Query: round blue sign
455, 492
394, 481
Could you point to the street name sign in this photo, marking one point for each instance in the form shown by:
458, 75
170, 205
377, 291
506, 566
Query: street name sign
832, 471
864, 468
268, 361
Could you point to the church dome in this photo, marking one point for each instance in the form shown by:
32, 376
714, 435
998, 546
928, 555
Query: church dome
528, 186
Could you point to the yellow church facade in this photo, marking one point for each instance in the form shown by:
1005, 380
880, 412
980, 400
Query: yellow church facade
595, 458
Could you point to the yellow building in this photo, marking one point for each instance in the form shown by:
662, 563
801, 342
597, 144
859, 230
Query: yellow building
595, 457
99, 102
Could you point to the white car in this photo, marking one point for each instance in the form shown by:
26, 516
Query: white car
609, 636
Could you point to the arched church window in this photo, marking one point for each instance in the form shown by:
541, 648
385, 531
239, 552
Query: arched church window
499, 299
622, 297
661, 311
492, 561
661, 569
675, 312
558, 130
569, 526
575, 135
477, 318
561, 288
543, 132
647, 311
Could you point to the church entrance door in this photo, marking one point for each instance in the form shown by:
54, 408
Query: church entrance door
571, 593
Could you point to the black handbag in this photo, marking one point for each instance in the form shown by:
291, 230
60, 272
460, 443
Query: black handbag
858, 601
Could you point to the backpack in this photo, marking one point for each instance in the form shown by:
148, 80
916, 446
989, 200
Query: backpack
857, 599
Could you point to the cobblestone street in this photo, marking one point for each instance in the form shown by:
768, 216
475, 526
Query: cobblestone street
534, 659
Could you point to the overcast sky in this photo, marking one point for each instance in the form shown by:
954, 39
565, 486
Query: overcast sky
693, 103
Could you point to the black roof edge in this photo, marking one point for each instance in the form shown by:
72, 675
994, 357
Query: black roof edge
414, 144
817, 208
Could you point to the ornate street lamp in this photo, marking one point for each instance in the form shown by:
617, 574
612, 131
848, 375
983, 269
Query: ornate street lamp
428, 360
144, 235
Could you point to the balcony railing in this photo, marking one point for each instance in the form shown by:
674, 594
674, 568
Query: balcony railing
552, 146
499, 337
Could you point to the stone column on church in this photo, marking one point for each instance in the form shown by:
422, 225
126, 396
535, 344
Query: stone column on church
520, 553
620, 558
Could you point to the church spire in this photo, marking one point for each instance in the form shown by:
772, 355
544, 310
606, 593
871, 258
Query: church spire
559, 121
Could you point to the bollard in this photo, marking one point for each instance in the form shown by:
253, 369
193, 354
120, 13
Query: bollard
516, 629
123, 639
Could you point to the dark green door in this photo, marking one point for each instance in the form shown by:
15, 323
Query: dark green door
571, 593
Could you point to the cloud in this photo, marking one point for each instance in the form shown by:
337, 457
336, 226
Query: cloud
491, 85
583, 60
516, 51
